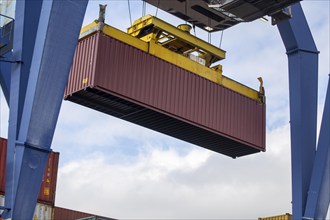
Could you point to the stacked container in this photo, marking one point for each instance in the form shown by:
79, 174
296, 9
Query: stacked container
287, 216
46, 199
67, 214
45, 209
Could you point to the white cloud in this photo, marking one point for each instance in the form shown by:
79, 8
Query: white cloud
165, 184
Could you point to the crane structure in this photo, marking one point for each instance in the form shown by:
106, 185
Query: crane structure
35, 72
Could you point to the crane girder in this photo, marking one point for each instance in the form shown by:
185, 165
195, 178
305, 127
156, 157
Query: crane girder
309, 165
36, 92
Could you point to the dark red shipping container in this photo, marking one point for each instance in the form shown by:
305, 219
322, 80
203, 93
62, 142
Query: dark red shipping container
3, 155
48, 185
120, 80
67, 214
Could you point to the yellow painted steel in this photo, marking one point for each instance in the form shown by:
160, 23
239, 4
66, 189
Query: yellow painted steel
240, 88
278, 217
122, 36
149, 44
157, 24
184, 62
114, 33
88, 29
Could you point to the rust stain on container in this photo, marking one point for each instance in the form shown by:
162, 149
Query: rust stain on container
67, 214
133, 85
48, 185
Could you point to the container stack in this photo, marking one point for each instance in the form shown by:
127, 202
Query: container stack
45, 209
286, 216
46, 198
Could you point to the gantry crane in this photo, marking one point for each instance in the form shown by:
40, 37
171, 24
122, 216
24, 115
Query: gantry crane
33, 77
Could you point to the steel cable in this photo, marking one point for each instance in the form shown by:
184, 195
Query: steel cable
129, 11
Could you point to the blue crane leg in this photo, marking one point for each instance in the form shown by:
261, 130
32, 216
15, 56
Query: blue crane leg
319, 191
25, 29
303, 75
5, 70
32, 127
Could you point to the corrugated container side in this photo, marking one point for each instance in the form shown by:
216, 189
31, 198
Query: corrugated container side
48, 185
140, 76
41, 212
67, 214
84, 61
287, 216
132, 75
3, 154
62, 213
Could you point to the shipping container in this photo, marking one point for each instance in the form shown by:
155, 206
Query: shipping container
115, 78
287, 216
49, 180
3, 155
42, 211
67, 214
48, 185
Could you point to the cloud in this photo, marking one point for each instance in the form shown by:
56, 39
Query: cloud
164, 184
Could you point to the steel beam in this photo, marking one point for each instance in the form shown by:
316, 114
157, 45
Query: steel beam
319, 191
5, 70
25, 29
303, 76
37, 88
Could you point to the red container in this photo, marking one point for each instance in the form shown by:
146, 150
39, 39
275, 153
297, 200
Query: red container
48, 185
3, 155
61, 214
120, 80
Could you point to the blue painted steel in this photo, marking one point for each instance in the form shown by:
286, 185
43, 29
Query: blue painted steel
5, 70
26, 24
35, 106
319, 191
303, 75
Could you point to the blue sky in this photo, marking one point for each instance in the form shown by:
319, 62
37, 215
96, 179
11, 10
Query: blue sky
117, 169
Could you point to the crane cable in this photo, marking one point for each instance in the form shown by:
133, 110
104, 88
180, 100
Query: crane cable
186, 10
144, 8
209, 32
221, 39
129, 11
157, 8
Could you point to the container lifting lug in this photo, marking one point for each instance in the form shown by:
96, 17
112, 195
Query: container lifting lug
101, 18
261, 93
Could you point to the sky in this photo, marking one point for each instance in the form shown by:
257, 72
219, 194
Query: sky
114, 168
